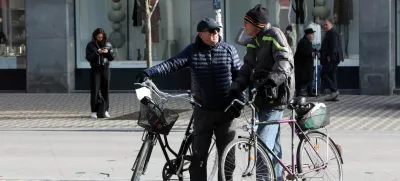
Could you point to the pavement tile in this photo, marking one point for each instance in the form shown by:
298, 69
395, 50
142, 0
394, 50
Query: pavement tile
71, 111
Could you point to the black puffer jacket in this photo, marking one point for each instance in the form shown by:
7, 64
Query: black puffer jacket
212, 71
99, 59
268, 61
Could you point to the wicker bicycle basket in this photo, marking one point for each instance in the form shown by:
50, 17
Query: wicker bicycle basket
154, 119
315, 117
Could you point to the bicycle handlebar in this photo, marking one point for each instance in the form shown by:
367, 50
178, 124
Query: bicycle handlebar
150, 85
247, 103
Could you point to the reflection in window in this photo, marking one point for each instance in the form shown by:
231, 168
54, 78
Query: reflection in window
123, 21
12, 34
281, 15
12, 28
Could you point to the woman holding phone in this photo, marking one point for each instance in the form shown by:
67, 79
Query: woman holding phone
99, 53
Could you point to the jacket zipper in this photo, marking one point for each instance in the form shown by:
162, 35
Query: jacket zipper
213, 71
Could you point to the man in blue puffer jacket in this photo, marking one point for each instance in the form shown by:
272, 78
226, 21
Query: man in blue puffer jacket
214, 65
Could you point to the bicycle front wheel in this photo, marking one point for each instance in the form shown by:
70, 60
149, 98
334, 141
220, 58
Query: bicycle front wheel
318, 158
141, 159
239, 162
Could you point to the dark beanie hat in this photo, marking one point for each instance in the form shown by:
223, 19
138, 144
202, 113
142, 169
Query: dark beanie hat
258, 16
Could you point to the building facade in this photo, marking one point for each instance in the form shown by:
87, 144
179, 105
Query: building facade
42, 43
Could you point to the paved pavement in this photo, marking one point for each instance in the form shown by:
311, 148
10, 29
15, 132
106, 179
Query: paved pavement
47, 155
19, 111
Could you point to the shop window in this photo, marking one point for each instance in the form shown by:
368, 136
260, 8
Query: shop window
123, 22
281, 15
12, 34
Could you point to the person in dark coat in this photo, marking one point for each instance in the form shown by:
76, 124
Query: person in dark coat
303, 63
99, 53
214, 65
288, 35
331, 56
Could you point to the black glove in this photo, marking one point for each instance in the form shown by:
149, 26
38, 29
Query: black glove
142, 77
259, 84
233, 94
236, 109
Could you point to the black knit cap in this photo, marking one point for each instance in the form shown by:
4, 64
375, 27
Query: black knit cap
258, 16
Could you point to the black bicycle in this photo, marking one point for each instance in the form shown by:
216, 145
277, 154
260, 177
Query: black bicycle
157, 121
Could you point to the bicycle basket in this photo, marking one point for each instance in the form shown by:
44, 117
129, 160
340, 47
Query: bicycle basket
317, 116
154, 119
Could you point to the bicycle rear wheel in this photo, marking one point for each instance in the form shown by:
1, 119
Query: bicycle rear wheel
239, 163
313, 153
141, 159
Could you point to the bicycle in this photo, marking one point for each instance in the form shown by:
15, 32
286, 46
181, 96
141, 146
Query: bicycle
309, 164
158, 120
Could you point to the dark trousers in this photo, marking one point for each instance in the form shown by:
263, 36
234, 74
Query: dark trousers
328, 75
99, 82
303, 78
206, 123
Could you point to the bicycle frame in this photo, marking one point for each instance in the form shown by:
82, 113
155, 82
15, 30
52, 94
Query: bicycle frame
293, 124
178, 163
295, 130
165, 147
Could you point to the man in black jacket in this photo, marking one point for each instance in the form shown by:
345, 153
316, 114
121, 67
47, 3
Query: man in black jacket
331, 56
268, 66
303, 63
214, 64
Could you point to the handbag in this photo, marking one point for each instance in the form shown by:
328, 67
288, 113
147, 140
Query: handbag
101, 106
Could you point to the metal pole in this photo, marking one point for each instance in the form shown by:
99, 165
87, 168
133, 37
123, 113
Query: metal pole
316, 73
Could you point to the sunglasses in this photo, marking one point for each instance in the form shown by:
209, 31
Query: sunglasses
212, 31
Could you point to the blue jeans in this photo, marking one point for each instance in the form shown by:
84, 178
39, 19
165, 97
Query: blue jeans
270, 135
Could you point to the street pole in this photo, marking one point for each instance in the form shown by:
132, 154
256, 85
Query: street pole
218, 16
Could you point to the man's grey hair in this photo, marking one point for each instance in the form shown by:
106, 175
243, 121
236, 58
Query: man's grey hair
330, 20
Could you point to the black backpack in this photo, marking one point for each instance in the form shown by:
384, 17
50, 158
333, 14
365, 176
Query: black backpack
101, 107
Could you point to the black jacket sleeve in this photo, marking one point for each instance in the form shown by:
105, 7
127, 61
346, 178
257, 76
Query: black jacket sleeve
171, 65
91, 53
243, 79
332, 45
304, 49
283, 57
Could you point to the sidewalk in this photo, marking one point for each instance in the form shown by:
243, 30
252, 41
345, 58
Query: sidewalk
20, 111
58, 155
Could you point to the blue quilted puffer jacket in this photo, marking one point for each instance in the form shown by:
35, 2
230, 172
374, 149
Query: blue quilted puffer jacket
213, 69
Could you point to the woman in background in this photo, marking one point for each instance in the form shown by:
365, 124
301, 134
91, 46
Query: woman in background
288, 35
99, 53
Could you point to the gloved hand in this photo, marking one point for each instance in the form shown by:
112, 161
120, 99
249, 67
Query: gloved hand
234, 93
140, 78
259, 84
236, 109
